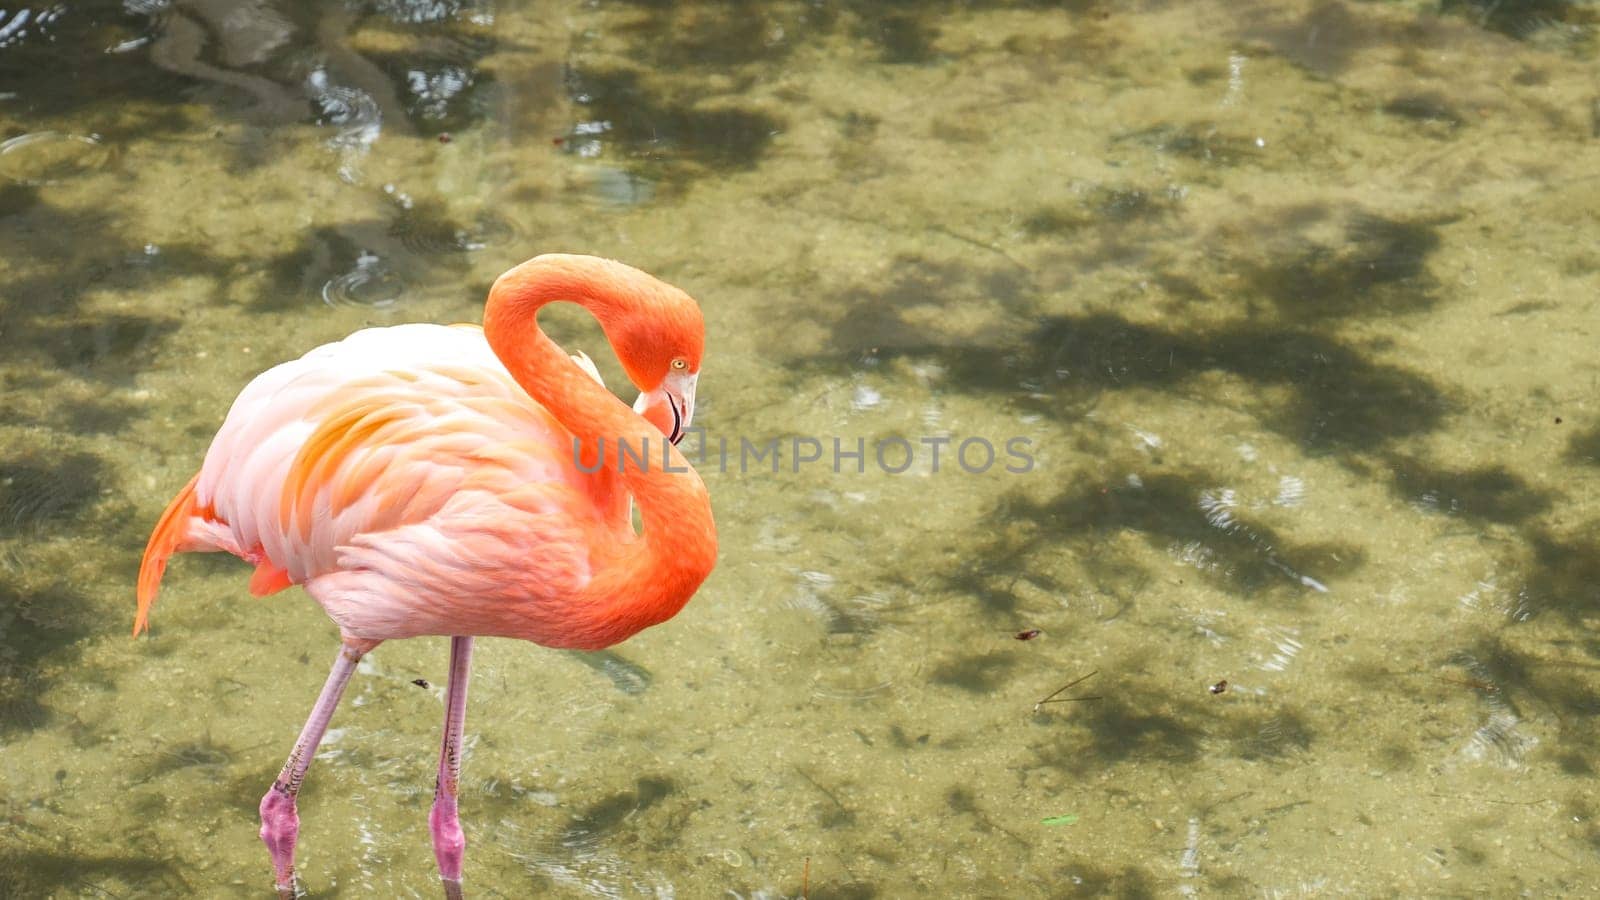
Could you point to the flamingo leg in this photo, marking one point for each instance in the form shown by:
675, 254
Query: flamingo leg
280, 822
449, 842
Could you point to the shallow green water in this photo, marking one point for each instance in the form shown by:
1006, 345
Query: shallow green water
1295, 304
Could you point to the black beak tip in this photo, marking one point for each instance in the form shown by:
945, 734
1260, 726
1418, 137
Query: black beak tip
677, 423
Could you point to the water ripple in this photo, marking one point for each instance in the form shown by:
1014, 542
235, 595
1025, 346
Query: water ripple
1487, 595
353, 113
49, 157
1285, 647
1291, 492
1500, 739
370, 284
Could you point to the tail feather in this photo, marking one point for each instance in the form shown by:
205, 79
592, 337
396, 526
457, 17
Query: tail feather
164, 541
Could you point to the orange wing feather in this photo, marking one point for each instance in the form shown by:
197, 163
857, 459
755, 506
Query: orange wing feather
324, 452
268, 579
164, 541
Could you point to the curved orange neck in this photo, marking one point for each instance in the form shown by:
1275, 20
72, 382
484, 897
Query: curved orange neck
646, 582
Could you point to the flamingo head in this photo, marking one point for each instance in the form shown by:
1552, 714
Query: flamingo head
659, 343
670, 407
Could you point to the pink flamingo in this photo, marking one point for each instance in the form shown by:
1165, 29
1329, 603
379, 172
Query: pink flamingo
422, 480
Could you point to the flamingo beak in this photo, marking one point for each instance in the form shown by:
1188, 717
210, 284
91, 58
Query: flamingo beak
670, 407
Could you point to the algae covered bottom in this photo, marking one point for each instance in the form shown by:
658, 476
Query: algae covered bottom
1290, 308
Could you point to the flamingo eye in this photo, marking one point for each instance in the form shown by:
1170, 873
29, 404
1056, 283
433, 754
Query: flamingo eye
679, 364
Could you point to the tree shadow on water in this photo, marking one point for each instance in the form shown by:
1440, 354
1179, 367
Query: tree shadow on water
1337, 399
1184, 513
39, 493
35, 626
1485, 493
63, 255
646, 125
604, 816
1522, 19
1124, 726
1379, 268
1584, 447
977, 674
1513, 677
43, 619
40, 873
874, 316
1565, 574
1275, 336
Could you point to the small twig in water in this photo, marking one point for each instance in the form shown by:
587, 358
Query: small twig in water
1491, 800
1054, 695
805, 881
825, 792
1477, 684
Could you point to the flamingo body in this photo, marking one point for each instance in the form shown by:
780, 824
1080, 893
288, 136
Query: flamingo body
411, 485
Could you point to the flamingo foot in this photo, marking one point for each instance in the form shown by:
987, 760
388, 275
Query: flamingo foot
449, 842
280, 827
280, 822
444, 821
